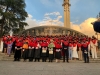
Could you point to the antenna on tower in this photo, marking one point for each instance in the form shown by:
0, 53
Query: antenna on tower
99, 14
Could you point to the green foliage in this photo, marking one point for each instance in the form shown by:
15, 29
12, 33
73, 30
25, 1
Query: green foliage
13, 15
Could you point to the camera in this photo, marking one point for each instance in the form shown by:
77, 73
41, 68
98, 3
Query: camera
96, 26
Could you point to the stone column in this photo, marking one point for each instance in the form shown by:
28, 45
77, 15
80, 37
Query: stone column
66, 13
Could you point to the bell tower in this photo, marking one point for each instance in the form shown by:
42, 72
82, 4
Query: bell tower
66, 6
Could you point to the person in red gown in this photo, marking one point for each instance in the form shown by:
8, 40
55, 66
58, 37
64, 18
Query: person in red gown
79, 49
5, 40
85, 51
65, 50
18, 49
37, 53
58, 48
44, 55
31, 50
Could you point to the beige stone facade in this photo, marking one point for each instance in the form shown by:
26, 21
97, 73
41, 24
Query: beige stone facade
50, 30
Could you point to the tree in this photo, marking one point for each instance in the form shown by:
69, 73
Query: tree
12, 16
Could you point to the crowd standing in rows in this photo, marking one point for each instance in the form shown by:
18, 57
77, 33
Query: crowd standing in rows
35, 48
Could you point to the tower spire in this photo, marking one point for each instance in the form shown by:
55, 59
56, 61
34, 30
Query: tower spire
66, 6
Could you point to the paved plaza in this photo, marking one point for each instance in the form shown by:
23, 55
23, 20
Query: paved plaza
46, 68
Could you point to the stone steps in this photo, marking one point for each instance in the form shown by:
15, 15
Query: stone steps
4, 57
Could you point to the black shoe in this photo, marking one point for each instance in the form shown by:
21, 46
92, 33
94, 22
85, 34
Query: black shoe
24, 60
18, 59
51, 60
87, 62
14, 59
31, 61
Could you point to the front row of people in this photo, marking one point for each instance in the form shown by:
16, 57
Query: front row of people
52, 50
37, 51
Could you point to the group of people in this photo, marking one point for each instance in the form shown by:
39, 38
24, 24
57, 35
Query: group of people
67, 47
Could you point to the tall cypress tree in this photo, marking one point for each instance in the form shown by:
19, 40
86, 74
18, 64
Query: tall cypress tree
12, 16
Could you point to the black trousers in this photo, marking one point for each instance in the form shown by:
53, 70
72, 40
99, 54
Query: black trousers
44, 58
51, 57
17, 55
86, 58
50, 60
37, 59
85, 54
65, 55
30, 58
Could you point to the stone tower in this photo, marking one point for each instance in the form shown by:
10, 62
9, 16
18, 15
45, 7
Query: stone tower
66, 6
